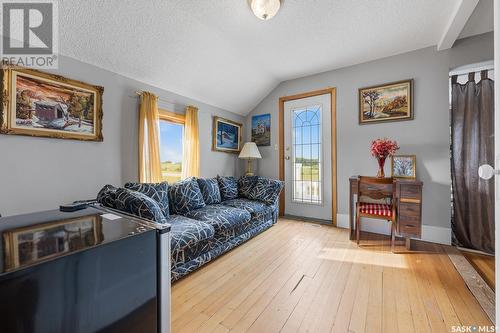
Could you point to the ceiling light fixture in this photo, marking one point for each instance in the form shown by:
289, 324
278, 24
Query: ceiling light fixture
265, 9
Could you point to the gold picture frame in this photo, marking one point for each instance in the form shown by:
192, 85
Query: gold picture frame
17, 240
404, 166
35, 103
226, 135
386, 102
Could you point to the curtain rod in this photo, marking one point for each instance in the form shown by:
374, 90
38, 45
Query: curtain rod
477, 67
139, 93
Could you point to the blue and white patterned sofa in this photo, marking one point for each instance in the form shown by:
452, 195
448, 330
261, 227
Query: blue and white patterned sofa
208, 217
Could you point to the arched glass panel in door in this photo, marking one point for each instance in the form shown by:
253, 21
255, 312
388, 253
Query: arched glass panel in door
306, 143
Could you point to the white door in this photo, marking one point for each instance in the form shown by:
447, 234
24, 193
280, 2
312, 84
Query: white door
497, 152
308, 146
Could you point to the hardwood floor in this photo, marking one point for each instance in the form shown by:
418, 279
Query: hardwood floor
303, 277
484, 265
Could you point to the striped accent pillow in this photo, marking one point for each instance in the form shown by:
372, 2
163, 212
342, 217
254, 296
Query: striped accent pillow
376, 209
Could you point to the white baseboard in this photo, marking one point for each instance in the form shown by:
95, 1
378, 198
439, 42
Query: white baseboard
429, 233
434, 234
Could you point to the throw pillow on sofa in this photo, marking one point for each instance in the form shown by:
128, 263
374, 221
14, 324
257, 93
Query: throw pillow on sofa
156, 191
107, 196
245, 185
210, 190
228, 187
138, 204
266, 190
185, 196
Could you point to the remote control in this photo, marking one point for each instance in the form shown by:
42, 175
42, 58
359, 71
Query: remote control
73, 207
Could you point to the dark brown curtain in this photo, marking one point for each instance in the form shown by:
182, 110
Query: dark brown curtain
472, 131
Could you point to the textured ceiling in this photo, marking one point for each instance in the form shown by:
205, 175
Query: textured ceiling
217, 52
480, 21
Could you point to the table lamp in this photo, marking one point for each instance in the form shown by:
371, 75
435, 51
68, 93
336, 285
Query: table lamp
249, 152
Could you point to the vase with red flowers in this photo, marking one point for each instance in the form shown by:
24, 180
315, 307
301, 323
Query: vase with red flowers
381, 149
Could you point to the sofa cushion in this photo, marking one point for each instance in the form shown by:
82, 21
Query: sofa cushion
220, 217
186, 232
138, 204
228, 187
254, 207
209, 188
156, 191
245, 185
107, 196
266, 190
185, 196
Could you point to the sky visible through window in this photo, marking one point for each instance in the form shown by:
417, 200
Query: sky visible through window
170, 142
171, 136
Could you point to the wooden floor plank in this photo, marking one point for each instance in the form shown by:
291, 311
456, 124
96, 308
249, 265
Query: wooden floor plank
300, 277
484, 265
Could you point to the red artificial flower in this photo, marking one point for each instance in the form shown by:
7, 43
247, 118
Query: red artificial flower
381, 148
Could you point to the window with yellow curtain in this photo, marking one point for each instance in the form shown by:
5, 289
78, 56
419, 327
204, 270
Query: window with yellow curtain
171, 145
179, 144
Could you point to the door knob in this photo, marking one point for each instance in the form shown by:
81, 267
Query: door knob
287, 158
486, 171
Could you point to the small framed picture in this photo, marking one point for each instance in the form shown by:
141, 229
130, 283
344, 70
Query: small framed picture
261, 129
404, 166
226, 135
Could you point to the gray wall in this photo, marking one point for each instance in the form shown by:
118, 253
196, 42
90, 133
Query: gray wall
427, 135
40, 173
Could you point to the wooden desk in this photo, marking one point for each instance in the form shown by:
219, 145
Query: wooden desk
408, 207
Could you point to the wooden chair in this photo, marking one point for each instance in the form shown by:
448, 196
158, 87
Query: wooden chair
376, 188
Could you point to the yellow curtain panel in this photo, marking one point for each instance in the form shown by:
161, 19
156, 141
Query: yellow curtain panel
191, 149
149, 143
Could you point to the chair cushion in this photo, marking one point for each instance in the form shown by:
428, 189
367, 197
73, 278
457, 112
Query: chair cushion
220, 217
254, 207
107, 196
156, 191
185, 196
138, 204
375, 209
228, 187
210, 190
266, 190
245, 185
186, 232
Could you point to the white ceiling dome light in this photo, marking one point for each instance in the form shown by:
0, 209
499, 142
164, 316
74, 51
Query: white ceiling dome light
265, 9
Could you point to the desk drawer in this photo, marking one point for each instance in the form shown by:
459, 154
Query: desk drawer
409, 209
409, 221
410, 229
410, 191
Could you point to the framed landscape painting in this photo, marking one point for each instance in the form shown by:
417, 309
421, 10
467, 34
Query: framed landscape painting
404, 166
388, 102
261, 129
226, 135
35, 103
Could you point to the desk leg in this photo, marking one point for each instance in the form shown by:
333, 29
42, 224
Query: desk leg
351, 219
408, 243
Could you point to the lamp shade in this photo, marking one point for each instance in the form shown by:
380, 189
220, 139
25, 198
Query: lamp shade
250, 151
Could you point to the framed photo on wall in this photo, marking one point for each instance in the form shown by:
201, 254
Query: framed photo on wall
388, 102
226, 135
261, 129
36, 103
404, 166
